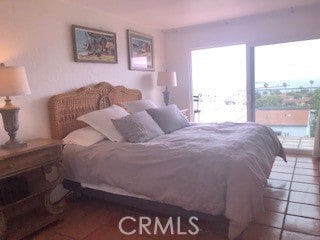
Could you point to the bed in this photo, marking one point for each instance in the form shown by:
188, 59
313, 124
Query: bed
215, 169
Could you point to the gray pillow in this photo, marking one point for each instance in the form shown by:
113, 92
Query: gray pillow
137, 127
139, 105
169, 118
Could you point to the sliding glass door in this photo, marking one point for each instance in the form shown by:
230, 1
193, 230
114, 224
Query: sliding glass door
287, 93
219, 84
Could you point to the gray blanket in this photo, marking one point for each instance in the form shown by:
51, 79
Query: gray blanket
210, 168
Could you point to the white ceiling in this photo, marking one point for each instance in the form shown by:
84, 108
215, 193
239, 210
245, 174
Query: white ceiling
168, 14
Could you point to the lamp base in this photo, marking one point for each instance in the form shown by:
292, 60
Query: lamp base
14, 144
166, 96
11, 124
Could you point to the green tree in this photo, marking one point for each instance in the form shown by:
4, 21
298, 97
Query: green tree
269, 101
275, 92
257, 95
285, 85
315, 100
296, 95
315, 106
291, 104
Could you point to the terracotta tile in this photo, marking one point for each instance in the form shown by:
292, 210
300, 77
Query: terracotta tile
45, 233
219, 226
60, 237
276, 193
136, 237
104, 232
283, 163
305, 187
209, 236
291, 158
80, 222
184, 227
307, 198
282, 169
51, 236
313, 165
179, 237
261, 232
309, 172
286, 235
301, 224
271, 219
272, 183
305, 159
280, 176
305, 179
275, 205
183, 234
303, 210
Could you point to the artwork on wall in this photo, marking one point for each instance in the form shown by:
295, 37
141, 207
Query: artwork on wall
140, 47
93, 45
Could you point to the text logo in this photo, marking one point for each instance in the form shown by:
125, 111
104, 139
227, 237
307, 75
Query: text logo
145, 226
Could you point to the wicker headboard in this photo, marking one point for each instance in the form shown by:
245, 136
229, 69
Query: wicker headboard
64, 109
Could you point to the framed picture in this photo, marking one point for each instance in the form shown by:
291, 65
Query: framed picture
93, 45
140, 47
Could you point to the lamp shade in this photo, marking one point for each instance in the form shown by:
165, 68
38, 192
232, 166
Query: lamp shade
13, 81
167, 79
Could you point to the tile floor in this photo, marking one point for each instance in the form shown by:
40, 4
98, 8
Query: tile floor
297, 145
292, 203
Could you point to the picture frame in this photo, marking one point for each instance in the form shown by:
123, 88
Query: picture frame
140, 51
94, 45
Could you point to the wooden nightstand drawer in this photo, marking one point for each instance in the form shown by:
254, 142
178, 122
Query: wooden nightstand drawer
24, 162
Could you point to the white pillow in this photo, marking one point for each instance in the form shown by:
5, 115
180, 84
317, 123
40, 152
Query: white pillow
139, 105
101, 121
84, 137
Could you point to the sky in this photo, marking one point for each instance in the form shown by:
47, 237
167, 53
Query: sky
223, 69
288, 62
220, 73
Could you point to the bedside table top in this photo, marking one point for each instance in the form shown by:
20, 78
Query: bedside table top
32, 145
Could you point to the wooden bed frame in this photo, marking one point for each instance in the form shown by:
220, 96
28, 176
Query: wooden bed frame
64, 109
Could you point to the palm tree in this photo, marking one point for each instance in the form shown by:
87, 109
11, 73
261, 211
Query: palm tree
311, 83
285, 86
265, 92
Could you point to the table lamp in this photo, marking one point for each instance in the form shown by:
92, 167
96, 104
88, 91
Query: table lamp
168, 79
13, 82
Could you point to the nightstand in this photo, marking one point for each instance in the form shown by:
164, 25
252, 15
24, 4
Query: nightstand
24, 189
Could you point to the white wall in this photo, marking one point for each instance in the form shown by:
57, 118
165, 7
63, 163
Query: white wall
37, 34
276, 27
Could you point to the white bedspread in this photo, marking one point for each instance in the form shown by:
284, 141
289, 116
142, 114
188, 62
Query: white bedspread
210, 168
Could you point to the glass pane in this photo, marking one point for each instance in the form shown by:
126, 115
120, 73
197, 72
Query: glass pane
219, 84
287, 93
